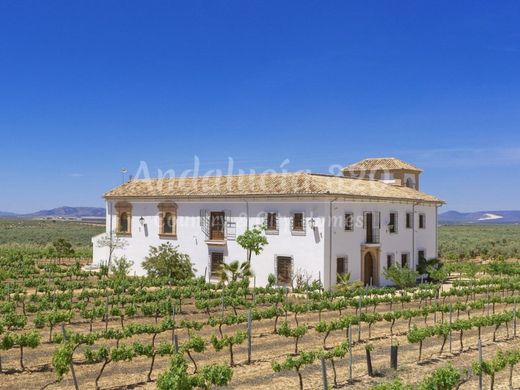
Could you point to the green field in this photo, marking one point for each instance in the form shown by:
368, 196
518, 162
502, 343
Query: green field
455, 241
35, 236
484, 241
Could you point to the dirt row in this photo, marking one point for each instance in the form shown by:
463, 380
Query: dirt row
266, 348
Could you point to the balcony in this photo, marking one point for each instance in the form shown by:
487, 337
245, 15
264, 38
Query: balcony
372, 236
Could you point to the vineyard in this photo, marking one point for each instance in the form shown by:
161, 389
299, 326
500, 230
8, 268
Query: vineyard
62, 326
35, 237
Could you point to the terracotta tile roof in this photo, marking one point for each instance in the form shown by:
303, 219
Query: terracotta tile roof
388, 163
261, 185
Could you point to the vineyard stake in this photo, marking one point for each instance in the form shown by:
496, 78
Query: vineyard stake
173, 323
514, 321
350, 353
254, 289
106, 310
286, 297
205, 272
222, 302
324, 374
76, 386
176, 343
450, 324
249, 335
480, 384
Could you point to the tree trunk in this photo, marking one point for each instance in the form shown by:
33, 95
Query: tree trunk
231, 361
21, 359
334, 372
300, 379
192, 360
101, 372
149, 377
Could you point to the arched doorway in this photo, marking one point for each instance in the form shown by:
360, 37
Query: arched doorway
369, 269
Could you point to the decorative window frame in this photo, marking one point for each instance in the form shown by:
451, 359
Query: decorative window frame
352, 221
266, 218
121, 208
167, 207
298, 232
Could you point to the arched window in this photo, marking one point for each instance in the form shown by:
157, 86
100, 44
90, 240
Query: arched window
124, 218
167, 220
167, 223
410, 183
123, 223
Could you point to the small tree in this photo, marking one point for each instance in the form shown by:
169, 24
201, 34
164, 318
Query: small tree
165, 260
62, 248
112, 242
234, 271
253, 240
344, 283
402, 277
122, 267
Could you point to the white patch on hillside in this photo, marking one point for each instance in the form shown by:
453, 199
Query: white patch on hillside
489, 216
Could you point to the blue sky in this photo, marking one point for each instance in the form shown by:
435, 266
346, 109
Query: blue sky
89, 87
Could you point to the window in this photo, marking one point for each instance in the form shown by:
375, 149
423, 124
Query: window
389, 260
284, 270
167, 223
409, 220
392, 223
422, 221
404, 260
349, 222
216, 225
341, 267
123, 223
272, 221
421, 255
298, 222
217, 260
410, 183
124, 218
167, 219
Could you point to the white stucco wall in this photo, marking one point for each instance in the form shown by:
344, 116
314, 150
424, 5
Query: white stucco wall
312, 252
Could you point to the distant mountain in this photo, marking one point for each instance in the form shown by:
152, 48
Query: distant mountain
480, 217
63, 212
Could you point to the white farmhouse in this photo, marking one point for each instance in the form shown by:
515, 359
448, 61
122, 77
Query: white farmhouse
369, 218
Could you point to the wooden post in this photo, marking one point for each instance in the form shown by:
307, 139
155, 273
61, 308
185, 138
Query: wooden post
106, 309
514, 320
249, 335
76, 386
205, 273
449, 319
369, 362
324, 375
393, 356
286, 299
176, 343
480, 384
173, 321
350, 358
222, 302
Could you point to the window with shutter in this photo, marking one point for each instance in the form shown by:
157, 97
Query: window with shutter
341, 267
217, 260
409, 220
422, 221
297, 224
404, 260
272, 222
392, 223
389, 260
349, 222
124, 218
284, 270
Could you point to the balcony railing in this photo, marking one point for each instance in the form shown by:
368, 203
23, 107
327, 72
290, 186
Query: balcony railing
372, 236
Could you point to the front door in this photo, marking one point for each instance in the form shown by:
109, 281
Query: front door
216, 225
369, 269
369, 226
